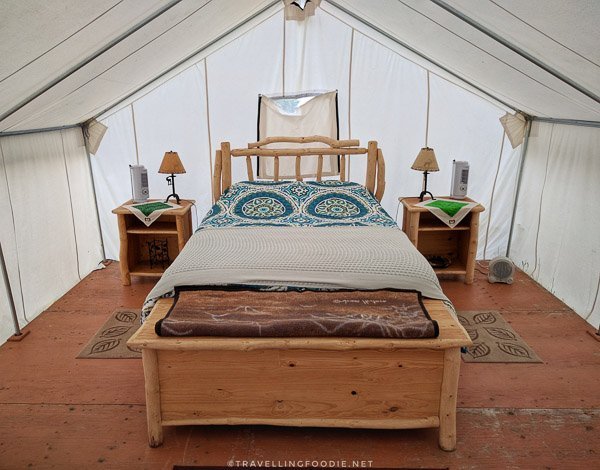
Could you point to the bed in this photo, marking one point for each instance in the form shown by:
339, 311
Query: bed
301, 235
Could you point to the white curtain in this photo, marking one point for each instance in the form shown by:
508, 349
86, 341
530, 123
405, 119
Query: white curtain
555, 237
298, 115
51, 239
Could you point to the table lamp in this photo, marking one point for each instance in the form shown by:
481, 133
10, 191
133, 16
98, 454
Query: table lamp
425, 162
171, 164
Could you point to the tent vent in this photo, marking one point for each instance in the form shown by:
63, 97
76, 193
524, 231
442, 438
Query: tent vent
93, 132
299, 10
514, 126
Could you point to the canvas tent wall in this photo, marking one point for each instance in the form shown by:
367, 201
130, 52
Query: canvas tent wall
49, 233
186, 75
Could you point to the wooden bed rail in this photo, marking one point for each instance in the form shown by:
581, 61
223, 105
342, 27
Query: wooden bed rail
375, 176
306, 140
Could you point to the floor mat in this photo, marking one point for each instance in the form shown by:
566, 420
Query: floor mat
110, 341
494, 340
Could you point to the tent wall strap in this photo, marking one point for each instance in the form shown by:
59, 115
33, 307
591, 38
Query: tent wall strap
534, 60
567, 122
416, 52
518, 190
37, 131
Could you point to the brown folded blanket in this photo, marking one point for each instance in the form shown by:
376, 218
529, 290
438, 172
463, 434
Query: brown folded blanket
246, 313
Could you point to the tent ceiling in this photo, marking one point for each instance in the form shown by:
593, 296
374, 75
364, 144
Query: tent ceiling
469, 53
137, 59
42, 42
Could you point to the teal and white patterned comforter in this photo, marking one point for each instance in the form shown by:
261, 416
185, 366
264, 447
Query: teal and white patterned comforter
297, 204
298, 235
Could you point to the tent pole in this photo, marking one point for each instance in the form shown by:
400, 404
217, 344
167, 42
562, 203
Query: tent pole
11, 301
567, 122
37, 131
89, 162
518, 190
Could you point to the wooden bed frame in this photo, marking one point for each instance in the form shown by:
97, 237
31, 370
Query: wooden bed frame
375, 178
334, 382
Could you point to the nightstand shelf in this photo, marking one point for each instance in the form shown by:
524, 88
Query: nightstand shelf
173, 227
432, 237
439, 228
157, 228
143, 269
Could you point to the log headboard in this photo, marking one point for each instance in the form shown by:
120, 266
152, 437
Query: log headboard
375, 177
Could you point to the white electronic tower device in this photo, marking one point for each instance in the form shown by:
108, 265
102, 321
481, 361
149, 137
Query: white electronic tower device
139, 183
460, 179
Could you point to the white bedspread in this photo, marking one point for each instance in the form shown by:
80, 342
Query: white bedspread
364, 258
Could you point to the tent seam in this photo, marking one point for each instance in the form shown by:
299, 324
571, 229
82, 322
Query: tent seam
40, 112
544, 34
135, 140
284, 45
487, 230
498, 59
347, 176
210, 150
517, 50
62, 140
88, 60
537, 233
490, 98
62, 41
189, 58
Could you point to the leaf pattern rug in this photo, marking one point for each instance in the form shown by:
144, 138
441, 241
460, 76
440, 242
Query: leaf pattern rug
494, 340
110, 341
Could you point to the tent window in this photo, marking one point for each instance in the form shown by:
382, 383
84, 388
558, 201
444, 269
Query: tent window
298, 115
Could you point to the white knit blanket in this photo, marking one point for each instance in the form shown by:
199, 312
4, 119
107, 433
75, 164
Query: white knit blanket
363, 258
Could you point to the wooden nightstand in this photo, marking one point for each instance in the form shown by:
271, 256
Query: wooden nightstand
431, 236
174, 226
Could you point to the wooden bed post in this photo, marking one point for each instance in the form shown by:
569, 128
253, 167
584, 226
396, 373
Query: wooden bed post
217, 177
226, 172
448, 399
380, 176
298, 168
153, 412
249, 168
371, 166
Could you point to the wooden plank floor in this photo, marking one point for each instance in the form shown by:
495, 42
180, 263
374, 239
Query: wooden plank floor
60, 412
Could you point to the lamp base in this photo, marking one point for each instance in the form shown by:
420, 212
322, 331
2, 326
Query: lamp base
425, 193
176, 196
171, 182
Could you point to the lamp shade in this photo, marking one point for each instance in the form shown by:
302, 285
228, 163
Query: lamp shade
171, 164
426, 161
